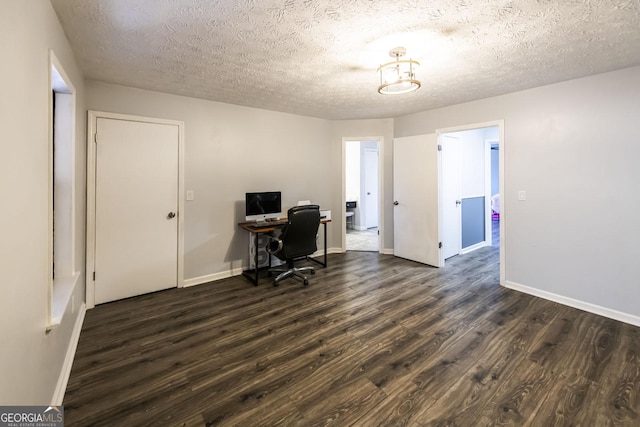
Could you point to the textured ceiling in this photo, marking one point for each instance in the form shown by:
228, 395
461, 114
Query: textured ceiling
319, 57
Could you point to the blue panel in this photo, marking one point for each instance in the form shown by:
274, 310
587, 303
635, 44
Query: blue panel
472, 221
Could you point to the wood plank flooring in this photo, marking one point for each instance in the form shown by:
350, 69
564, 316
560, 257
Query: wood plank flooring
374, 340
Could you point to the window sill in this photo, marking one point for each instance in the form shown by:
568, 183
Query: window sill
62, 291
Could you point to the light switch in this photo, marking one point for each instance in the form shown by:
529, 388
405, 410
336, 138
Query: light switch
522, 195
189, 194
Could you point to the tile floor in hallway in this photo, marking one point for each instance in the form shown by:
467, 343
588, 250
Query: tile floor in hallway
366, 240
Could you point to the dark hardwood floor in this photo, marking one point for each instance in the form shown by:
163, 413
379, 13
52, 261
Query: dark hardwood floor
374, 340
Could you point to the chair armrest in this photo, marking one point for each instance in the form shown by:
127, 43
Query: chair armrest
274, 245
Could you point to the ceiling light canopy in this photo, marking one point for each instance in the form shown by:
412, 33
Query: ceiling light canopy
398, 76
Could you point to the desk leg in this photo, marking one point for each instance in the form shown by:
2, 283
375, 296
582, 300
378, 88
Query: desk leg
255, 260
324, 264
247, 273
325, 244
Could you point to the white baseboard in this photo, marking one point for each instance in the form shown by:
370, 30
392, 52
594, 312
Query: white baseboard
194, 281
63, 379
212, 277
472, 248
580, 305
387, 251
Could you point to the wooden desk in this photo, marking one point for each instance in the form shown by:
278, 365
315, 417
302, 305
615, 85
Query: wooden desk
254, 229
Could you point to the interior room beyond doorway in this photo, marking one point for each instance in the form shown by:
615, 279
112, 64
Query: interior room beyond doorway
470, 189
362, 195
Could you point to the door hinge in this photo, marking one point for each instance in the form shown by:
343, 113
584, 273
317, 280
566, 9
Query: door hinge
94, 276
439, 246
439, 147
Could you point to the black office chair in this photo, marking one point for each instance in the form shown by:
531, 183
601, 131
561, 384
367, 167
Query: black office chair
297, 241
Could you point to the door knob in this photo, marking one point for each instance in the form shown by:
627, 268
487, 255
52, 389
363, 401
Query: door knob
458, 202
171, 215
396, 203
368, 194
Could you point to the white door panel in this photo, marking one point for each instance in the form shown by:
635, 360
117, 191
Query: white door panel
416, 192
136, 192
371, 187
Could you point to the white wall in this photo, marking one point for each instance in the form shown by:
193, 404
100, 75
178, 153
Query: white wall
230, 150
31, 360
573, 147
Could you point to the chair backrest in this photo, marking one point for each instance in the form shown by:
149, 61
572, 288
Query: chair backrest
299, 235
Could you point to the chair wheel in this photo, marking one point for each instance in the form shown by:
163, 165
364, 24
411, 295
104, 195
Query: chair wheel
306, 282
313, 272
276, 284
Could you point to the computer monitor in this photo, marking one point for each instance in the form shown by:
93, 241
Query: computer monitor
263, 205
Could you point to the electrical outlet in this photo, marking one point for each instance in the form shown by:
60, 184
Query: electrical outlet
522, 195
189, 194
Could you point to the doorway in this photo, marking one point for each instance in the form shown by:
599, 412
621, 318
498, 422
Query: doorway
134, 221
467, 184
418, 192
362, 194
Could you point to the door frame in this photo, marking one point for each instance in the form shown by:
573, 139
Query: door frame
487, 186
343, 205
501, 167
92, 119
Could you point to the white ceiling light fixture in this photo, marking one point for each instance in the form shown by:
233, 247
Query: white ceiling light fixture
398, 76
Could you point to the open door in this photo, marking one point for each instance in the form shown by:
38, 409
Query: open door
451, 196
416, 204
371, 187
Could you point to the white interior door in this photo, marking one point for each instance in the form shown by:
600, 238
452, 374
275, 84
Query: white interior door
451, 196
136, 228
371, 187
415, 193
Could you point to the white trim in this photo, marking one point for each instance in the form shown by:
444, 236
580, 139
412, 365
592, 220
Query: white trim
63, 379
381, 194
387, 251
91, 194
503, 217
194, 281
62, 293
473, 247
441, 260
580, 305
488, 224
501, 166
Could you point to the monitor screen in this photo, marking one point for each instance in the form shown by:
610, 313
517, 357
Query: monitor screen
263, 205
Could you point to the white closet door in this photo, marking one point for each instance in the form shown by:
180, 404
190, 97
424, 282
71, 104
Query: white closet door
136, 208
